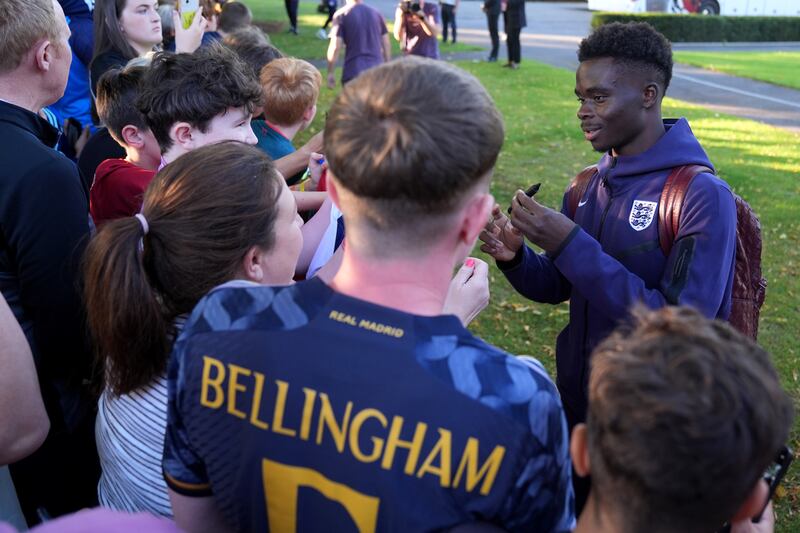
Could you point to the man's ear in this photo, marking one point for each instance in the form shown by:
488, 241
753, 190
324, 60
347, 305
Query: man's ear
43, 54
252, 265
579, 450
182, 133
475, 214
132, 136
651, 95
754, 502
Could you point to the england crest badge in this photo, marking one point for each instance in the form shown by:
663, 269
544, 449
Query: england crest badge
642, 214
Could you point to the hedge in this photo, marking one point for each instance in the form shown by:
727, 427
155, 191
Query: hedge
711, 28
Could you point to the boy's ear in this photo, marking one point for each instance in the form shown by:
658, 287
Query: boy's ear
579, 450
181, 133
475, 214
309, 114
132, 137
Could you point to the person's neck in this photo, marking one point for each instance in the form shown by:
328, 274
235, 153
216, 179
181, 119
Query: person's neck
141, 160
650, 135
173, 153
416, 285
141, 49
594, 519
288, 131
29, 99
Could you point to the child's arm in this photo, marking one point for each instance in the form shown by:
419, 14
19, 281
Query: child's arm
313, 230
310, 201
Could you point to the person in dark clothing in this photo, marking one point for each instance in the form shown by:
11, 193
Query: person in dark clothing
448, 8
607, 257
44, 228
514, 20
492, 10
122, 32
291, 10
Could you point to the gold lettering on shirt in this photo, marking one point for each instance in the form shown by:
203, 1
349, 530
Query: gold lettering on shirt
363, 323
365, 433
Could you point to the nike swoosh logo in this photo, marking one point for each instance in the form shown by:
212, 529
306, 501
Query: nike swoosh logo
582, 203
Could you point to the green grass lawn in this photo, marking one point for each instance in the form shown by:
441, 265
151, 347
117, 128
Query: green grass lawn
544, 144
271, 16
779, 68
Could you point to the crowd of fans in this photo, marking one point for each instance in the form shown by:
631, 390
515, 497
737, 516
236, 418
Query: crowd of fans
206, 328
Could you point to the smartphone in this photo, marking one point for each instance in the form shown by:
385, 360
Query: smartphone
775, 473
533, 189
188, 9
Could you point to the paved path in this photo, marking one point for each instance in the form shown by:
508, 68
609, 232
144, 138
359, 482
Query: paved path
555, 30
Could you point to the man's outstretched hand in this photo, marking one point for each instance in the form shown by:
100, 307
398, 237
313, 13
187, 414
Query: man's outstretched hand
544, 227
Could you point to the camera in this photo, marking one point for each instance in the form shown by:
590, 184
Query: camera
408, 6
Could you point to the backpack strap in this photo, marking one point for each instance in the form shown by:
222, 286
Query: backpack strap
577, 188
672, 196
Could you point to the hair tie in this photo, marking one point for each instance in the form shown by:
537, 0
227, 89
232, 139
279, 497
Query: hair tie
143, 222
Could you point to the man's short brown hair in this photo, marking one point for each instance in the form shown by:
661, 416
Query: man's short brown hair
234, 16
408, 138
685, 413
22, 24
290, 87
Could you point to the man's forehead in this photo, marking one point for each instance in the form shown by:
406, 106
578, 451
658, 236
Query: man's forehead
596, 72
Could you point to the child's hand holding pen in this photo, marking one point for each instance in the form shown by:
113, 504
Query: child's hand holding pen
316, 165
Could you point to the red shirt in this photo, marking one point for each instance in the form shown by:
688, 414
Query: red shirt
118, 190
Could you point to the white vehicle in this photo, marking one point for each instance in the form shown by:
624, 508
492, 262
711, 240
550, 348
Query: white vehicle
704, 7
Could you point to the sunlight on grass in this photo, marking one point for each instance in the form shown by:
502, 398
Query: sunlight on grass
779, 68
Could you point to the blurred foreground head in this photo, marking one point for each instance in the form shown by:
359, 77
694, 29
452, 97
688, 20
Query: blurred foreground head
410, 144
685, 414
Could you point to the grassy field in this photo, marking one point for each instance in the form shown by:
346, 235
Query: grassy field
544, 144
779, 68
271, 16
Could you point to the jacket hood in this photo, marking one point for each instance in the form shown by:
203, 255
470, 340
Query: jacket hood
677, 147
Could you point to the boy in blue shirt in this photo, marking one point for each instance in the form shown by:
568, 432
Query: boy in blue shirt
358, 405
291, 88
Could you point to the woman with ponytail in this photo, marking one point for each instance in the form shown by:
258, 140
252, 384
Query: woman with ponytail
204, 222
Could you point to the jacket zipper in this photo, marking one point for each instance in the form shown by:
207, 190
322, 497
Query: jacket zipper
604, 183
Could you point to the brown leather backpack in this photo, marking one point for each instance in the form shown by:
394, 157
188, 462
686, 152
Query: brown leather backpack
749, 287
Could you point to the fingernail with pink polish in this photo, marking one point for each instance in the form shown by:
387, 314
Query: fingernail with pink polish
469, 263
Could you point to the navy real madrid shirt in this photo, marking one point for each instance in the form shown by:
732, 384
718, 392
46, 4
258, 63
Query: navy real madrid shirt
302, 409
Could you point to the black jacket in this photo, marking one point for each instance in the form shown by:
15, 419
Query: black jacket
515, 14
491, 7
44, 228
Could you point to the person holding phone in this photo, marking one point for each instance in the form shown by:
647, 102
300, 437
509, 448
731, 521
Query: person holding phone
685, 415
124, 30
416, 28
